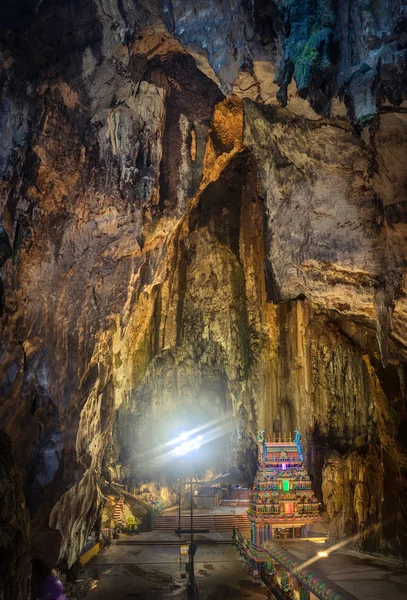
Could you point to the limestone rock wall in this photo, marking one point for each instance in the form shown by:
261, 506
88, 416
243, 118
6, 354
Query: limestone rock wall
181, 230
14, 521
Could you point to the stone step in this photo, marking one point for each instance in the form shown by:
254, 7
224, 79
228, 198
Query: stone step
207, 522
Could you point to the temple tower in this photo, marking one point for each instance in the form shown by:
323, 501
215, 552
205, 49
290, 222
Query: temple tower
282, 502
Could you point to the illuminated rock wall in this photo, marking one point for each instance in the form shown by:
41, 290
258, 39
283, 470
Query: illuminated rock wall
173, 238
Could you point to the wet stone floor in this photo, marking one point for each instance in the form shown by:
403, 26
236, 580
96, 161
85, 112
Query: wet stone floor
155, 572
365, 577
143, 572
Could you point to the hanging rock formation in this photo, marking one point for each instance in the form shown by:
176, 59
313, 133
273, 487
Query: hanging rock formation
202, 207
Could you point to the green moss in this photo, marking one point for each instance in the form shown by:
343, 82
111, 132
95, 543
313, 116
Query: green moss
365, 120
311, 41
309, 53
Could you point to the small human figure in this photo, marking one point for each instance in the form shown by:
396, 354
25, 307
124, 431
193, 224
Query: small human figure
131, 523
52, 589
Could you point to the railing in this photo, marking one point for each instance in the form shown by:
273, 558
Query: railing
277, 511
281, 573
292, 576
108, 532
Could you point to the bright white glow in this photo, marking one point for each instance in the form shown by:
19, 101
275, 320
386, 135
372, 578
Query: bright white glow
187, 445
180, 439
158, 455
323, 554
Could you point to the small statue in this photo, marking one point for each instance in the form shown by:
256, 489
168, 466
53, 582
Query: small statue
260, 436
298, 442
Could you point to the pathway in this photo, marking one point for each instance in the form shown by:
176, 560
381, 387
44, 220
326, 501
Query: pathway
126, 572
364, 576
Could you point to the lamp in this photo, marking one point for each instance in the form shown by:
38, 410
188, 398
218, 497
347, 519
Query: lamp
185, 444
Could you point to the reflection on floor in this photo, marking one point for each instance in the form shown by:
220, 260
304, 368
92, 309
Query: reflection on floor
146, 572
150, 569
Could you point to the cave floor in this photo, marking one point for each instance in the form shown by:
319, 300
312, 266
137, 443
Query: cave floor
365, 576
142, 572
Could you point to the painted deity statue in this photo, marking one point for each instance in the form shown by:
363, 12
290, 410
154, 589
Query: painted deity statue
261, 436
297, 440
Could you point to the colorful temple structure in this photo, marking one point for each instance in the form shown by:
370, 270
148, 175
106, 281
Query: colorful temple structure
282, 502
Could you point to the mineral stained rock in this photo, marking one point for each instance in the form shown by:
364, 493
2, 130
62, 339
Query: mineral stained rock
203, 212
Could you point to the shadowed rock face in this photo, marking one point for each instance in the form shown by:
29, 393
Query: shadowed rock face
175, 242
14, 522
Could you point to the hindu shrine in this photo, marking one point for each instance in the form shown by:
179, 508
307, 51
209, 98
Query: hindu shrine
282, 502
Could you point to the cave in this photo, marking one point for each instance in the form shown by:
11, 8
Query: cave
203, 229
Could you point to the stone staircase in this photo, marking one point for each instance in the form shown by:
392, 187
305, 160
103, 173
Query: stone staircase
242, 523
209, 522
237, 502
238, 497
